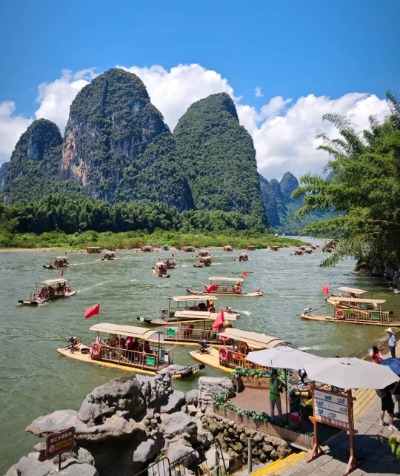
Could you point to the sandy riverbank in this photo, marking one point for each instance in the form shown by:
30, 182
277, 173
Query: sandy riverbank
28, 250
62, 250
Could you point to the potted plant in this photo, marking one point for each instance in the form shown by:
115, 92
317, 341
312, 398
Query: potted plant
255, 378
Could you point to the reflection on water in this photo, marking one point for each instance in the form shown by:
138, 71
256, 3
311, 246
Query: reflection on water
35, 380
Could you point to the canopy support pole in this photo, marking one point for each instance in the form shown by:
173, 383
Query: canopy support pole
287, 397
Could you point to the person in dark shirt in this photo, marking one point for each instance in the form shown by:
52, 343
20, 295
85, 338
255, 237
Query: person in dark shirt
387, 405
396, 395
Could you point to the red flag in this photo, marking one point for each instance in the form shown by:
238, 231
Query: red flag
211, 288
62, 272
219, 321
325, 289
92, 311
244, 274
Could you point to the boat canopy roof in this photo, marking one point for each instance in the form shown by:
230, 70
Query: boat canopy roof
253, 339
233, 280
203, 297
53, 282
160, 264
129, 331
203, 315
337, 299
60, 257
346, 289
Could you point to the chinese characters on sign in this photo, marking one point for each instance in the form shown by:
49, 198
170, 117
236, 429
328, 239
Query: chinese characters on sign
57, 443
332, 409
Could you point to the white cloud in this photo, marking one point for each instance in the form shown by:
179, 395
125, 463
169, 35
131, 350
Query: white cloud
11, 129
258, 93
274, 106
285, 140
55, 98
283, 129
172, 92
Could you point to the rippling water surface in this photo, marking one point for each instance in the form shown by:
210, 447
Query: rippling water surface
35, 380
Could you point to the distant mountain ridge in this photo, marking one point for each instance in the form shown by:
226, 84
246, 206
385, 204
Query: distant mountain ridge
281, 208
117, 148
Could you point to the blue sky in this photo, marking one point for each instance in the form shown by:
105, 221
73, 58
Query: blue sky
314, 55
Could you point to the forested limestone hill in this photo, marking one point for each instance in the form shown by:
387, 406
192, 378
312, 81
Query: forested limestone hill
218, 157
118, 149
3, 174
33, 169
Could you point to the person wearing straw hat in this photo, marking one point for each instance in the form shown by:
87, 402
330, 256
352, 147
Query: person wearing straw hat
391, 342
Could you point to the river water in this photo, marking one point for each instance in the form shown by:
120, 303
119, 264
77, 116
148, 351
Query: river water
35, 380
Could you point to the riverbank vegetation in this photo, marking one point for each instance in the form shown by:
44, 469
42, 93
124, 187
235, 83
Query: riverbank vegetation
60, 221
82, 213
363, 187
136, 239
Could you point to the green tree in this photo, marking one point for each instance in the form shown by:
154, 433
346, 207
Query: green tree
364, 190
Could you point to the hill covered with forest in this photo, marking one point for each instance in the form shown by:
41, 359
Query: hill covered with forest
218, 157
117, 149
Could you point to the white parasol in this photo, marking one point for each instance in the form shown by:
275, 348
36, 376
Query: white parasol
350, 372
283, 357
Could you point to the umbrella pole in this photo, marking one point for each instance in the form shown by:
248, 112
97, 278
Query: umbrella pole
287, 399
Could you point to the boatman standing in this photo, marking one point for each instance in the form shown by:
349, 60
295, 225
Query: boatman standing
391, 342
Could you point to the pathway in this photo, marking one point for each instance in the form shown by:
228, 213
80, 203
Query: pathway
371, 450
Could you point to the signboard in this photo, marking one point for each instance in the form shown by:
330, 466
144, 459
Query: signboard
332, 409
57, 443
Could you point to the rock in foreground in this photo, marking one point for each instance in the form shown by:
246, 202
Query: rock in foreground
130, 422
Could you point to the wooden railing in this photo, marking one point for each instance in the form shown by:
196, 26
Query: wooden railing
191, 335
237, 359
132, 358
371, 316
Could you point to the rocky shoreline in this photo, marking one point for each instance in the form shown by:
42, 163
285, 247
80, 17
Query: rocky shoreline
131, 422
